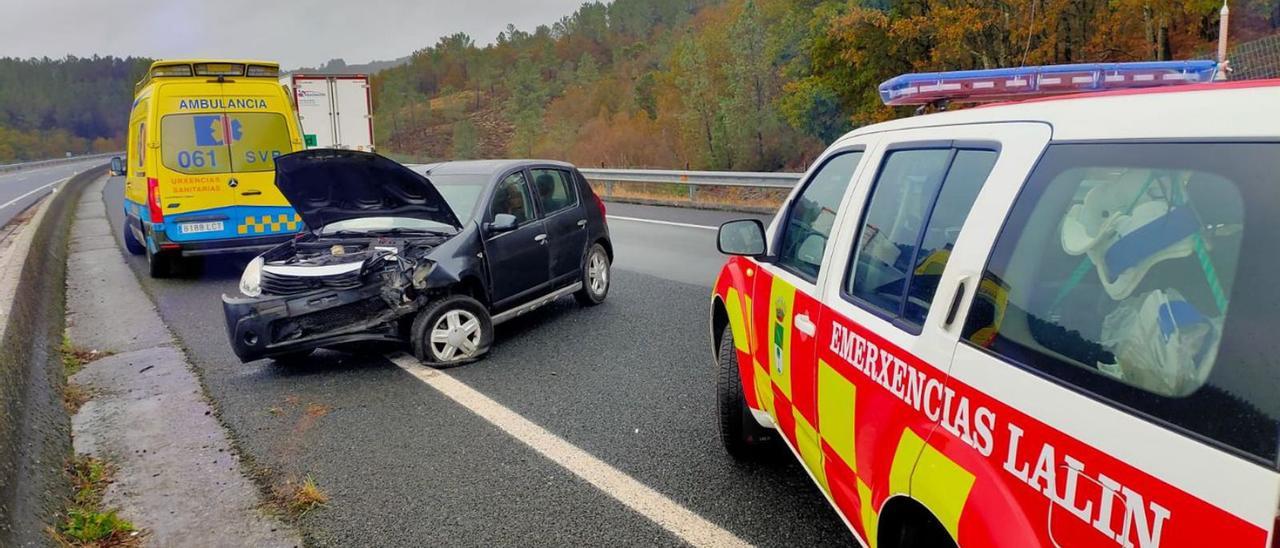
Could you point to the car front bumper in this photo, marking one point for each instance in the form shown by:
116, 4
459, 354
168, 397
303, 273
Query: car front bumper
271, 325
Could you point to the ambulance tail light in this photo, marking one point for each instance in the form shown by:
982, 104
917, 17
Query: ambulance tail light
979, 86
153, 200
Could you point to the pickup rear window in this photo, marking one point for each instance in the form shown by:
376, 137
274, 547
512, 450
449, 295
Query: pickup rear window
1143, 274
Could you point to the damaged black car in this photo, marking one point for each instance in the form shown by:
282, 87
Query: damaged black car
432, 256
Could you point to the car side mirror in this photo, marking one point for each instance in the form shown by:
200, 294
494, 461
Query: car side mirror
502, 222
743, 237
117, 166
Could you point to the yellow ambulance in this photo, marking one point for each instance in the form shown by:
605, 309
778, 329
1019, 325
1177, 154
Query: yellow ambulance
200, 174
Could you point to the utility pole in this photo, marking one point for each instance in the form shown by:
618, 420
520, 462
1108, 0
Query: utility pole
1224, 17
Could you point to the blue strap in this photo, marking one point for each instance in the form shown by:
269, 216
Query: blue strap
1149, 239
1176, 315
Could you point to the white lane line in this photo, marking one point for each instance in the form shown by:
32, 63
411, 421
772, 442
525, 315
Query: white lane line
656, 222
666, 513
20, 198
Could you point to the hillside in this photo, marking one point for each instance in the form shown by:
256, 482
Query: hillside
49, 107
746, 84
703, 84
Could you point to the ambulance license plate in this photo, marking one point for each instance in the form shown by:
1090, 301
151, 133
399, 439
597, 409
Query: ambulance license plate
192, 228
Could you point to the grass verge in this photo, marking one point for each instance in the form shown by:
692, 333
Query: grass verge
74, 359
300, 497
87, 524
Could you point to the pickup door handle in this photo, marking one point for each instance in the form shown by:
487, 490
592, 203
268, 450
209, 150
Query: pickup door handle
805, 325
541, 238
251, 193
955, 302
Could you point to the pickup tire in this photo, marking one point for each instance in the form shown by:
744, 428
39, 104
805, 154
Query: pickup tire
743, 438
131, 244
452, 331
595, 277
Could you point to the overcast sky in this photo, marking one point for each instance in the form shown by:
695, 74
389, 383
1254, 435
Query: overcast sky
291, 32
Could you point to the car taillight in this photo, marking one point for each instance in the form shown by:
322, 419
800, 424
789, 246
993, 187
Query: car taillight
153, 200
599, 203
1275, 532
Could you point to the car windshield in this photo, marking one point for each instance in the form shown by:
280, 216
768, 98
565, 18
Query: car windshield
461, 190
371, 225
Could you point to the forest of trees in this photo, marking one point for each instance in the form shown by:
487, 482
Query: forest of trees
49, 107
747, 84
703, 84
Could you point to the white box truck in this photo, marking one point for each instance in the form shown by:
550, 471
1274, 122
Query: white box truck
336, 111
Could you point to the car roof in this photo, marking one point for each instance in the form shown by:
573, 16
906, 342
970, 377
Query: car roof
1244, 109
483, 167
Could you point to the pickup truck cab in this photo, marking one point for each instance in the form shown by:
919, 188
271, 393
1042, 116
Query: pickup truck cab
1043, 323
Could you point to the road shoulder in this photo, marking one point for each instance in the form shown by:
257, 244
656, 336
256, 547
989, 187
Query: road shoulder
176, 473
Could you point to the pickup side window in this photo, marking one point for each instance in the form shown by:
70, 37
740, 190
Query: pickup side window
913, 217
812, 215
1142, 274
512, 197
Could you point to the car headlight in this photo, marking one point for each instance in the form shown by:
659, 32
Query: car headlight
251, 280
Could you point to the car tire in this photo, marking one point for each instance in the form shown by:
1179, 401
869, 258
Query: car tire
742, 436
451, 318
131, 244
595, 277
159, 265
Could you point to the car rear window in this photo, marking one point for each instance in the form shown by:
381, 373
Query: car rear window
1143, 274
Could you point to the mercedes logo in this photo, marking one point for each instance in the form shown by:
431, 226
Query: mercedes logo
233, 183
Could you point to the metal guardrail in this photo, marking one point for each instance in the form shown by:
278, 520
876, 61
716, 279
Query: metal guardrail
688, 187
55, 161
695, 178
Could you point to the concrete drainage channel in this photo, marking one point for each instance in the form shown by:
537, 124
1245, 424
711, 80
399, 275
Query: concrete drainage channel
176, 477
35, 439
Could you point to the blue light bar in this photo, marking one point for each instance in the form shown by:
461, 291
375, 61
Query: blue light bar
980, 86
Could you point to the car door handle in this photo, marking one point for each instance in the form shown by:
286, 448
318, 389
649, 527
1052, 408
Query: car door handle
582, 223
251, 193
541, 238
805, 325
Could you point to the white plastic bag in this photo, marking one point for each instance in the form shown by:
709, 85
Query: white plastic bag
1171, 361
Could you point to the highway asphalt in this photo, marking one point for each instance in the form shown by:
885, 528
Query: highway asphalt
19, 189
629, 382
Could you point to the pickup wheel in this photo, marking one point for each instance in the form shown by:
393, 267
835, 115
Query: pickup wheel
131, 244
595, 277
452, 331
742, 436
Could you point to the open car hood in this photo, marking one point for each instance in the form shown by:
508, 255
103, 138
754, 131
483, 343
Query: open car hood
327, 185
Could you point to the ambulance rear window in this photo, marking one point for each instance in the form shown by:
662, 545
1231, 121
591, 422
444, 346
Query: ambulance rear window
261, 137
194, 143
1143, 274
223, 143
